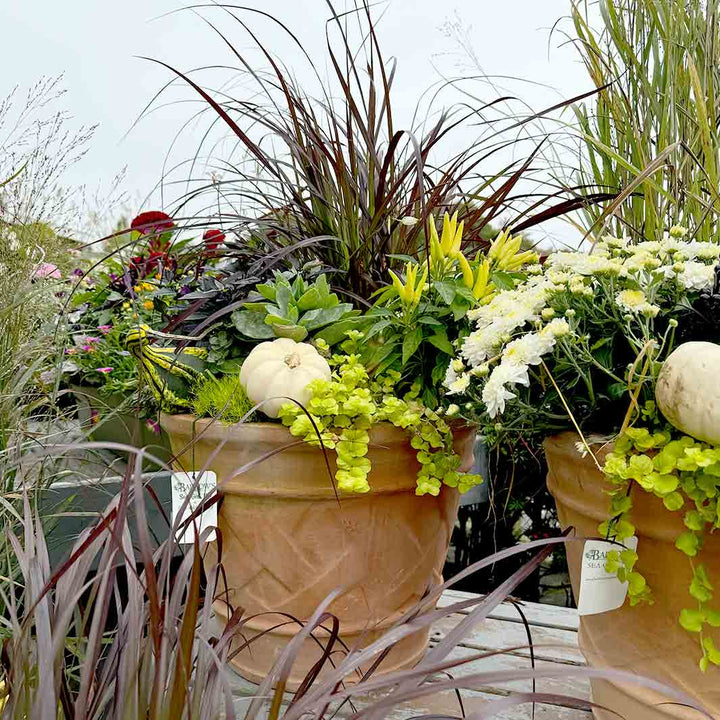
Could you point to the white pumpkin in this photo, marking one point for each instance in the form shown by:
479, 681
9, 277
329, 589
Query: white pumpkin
281, 369
688, 390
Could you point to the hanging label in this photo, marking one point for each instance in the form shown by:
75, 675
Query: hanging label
601, 591
198, 485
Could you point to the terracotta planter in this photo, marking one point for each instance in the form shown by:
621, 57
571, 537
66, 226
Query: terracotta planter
646, 639
123, 427
288, 541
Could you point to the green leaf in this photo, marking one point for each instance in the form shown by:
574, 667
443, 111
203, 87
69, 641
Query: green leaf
322, 286
699, 591
314, 319
441, 342
429, 320
266, 290
298, 286
256, 306
612, 561
694, 520
438, 372
629, 558
674, 501
295, 332
503, 280
403, 257
310, 299
459, 309
377, 328
665, 484
446, 290
692, 620
388, 362
329, 301
688, 542
411, 342
376, 355
283, 297
713, 654
251, 325
636, 583
465, 293
276, 320
336, 332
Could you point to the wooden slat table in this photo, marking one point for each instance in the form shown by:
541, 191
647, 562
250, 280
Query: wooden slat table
504, 628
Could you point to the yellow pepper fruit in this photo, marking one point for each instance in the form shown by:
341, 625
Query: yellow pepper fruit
451, 235
417, 294
397, 284
411, 291
467, 272
482, 287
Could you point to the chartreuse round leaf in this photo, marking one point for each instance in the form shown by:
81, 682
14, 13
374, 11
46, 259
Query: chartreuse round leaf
688, 542
692, 620
673, 501
344, 408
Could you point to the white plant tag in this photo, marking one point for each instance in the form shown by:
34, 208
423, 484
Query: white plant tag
200, 484
601, 591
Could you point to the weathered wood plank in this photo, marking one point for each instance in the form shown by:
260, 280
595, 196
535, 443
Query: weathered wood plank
550, 626
500, 634
550, 616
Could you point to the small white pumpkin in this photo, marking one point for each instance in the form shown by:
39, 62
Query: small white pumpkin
688, 390
281, 369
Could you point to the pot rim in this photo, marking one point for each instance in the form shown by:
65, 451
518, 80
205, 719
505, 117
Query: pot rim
211, 428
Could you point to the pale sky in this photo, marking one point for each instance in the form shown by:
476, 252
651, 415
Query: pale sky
95, 44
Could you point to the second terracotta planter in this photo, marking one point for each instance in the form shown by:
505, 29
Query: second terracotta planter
646, 639
288, 540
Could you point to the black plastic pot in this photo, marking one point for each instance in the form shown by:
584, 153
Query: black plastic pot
107, 423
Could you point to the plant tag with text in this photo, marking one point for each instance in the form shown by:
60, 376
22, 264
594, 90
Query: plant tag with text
200, 484
600, 591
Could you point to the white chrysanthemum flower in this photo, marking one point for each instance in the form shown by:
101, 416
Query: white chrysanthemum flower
584, 264
631, 300
648, 246
495, 393
481, 344
696, 276
450, 376
696, 250
678, 231
459, 385
528, 349
558, 327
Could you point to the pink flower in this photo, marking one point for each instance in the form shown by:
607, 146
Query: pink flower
152, 425
105, 370
71, 351
94, 417
87, 348
104, 329
92, 340
47, 270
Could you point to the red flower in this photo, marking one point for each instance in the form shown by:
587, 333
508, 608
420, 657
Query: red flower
152, 222
213, 239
